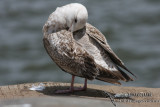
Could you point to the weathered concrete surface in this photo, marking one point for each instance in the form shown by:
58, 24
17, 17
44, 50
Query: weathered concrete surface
139, 96
58, 102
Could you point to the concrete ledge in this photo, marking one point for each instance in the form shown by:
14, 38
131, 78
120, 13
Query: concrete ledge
130, 96
58, 102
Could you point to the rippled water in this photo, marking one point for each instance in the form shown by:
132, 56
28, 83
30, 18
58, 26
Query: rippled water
132, 28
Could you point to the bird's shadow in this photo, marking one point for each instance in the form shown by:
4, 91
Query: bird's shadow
92, 93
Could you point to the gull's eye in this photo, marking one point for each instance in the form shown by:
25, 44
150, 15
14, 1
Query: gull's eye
75, 20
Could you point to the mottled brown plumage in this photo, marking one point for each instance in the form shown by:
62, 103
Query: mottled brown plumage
75, 54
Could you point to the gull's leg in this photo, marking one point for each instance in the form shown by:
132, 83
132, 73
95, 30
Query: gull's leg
72, 89
84, 88
85, 84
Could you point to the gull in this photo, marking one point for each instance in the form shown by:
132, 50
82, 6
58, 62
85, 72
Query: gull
80, 49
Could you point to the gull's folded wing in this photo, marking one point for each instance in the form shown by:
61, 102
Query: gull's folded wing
99, 38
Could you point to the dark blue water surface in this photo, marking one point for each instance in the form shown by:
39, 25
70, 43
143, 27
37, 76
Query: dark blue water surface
132, 28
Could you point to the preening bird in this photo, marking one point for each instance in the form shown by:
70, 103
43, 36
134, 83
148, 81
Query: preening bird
80, 49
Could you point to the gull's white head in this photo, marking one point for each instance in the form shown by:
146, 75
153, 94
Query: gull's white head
71, 17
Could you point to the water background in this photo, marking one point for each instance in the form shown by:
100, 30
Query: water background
132, 28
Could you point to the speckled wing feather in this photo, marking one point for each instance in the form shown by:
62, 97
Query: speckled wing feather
69, 55
100, 39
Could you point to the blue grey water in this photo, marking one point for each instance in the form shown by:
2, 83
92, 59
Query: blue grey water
132, 28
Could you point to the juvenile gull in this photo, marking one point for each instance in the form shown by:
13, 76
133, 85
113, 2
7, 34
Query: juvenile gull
80, 49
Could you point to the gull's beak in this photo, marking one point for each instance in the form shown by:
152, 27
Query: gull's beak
71, 29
